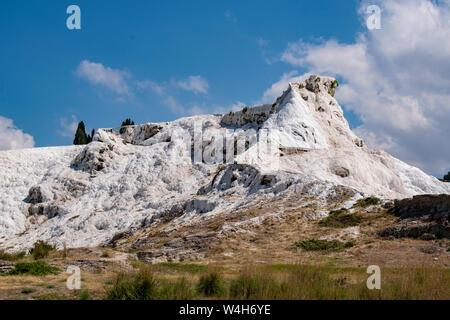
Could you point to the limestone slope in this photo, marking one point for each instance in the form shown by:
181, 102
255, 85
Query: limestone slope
192, 168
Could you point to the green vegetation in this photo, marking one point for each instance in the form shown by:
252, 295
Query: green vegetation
125, 123
210, 284
447, 176
244, 111
41, 250
297, 282
181, 289
81, 137
324, 245
335, 84
52, 296
140, 285
85, 295
341, 219
28, 290
33, 268
11, 256
180, 267
366, 202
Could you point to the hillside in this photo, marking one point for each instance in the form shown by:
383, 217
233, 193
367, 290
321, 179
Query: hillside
155, 179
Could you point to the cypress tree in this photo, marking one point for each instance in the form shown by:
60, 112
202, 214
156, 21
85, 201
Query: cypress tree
80, 135
125, 123
90, 136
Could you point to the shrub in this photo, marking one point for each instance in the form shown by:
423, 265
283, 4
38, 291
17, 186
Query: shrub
126, 123
245, 110
11, 256
182, 289
371, 201
135, 286
28, 290
41, 250
447, 176
85, 295
335, 84
341, 219
33, 269
210, 284
324, 245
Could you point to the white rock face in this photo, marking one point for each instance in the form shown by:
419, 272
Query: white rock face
83, 196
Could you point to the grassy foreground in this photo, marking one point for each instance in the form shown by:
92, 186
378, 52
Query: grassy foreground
180, 281
286, 282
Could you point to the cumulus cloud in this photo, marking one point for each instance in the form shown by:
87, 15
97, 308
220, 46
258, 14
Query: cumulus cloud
272, 93
98, 74
195, 111
12, 137
396, 79
230, 16
195, 84
239, 105
68, 127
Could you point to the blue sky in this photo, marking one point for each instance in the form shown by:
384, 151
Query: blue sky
228, 43
159, 60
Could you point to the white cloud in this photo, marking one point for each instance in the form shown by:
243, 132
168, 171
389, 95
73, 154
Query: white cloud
234, 107
396, 79
195, 111
148, 84
262, 42
195, 84
230, 16
98, 74
12, 137
69, 127
272, 93
173, 105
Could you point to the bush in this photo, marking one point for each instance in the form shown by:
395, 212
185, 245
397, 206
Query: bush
371, 201
33, 269
85, 295
135, 286
341, 219
182, 289
245, 110
28, 290
210, 284
126, 123
41, 250
11, 256
324, 245
335, 84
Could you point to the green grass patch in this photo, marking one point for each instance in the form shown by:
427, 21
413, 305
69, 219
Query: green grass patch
366, 202
33, 269
53, 296
210, 284
324, 245
341, 219
180, 289
301, 282
85, 295
141, 285
11, 256
180, 267
28, 290
41, 250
